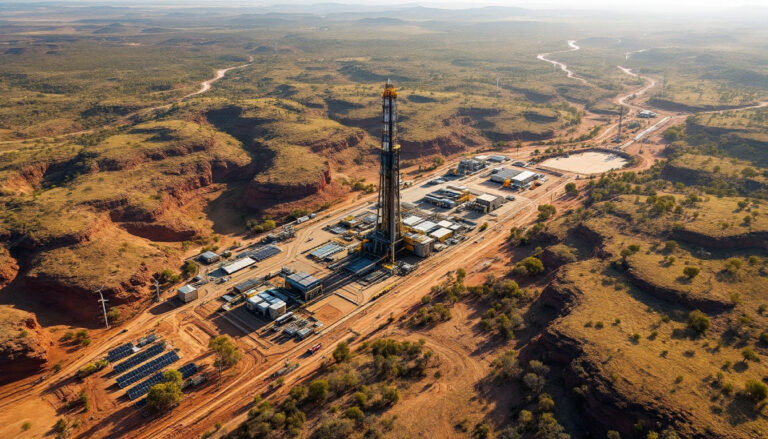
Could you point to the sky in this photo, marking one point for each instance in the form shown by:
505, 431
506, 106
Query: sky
659, 6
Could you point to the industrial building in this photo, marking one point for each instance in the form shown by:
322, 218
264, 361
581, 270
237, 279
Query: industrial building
425, 227
469, 166
209, 257
487, 203
498, 158
524, 178
238, 265
505, 175
420, 245
646, 114
245, 286
308, 286
441, 234
187, 293
271, 304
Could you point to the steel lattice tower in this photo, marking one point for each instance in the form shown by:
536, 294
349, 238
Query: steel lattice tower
388, 234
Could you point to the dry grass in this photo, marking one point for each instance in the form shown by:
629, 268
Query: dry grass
645, 371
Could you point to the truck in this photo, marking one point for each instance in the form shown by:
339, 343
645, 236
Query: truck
314, 349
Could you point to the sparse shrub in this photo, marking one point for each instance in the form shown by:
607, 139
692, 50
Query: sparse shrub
341, 353
690, 272
755, 390
26, 426
749, 354
530, 266
318, 390
678, 379
599, 325
546, 403
698, 321
354, 413
732, 265
613, 434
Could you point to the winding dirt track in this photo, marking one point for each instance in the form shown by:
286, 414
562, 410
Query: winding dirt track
204, 87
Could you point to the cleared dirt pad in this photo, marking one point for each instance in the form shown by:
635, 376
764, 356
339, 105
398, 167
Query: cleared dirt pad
331, 309
586, 163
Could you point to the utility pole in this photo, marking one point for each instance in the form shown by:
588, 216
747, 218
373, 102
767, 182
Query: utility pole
103, 305
157, 289
621, 120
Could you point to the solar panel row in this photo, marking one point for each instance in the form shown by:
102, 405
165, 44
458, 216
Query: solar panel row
146, 369
264, 252
146, 340
140, 357
120, 352
143, 387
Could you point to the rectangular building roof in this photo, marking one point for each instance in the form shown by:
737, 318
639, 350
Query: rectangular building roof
209, 255
445, 223
238, 265
488, 198
523, 176
303, 280
412, 220
277, 305
187, 289
440, 233
426, 227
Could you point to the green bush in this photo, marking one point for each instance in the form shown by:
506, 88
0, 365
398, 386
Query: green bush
691, 272
755, 390
698, 321
341, 353
530, 266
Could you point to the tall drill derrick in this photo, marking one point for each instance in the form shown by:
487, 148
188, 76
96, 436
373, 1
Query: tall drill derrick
388, 233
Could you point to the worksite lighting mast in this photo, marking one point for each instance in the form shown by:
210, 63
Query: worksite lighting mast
387, 237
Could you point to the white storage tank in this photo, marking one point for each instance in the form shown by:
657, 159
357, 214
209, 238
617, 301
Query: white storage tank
252, 302
277, 309
263, 308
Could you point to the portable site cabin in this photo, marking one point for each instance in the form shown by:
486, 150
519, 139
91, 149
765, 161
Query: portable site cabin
187, 293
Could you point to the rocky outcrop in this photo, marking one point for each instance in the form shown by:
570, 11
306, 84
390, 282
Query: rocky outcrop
731, 242
440, 146
603, 406
687, 299
338, 145
24, 352
260, 194
9, 268
77, 300
668, 105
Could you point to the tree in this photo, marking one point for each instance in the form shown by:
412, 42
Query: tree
341, 353
354, 413
571, 189
529, 266
166, 395
698, 321
318, 390
298, 392
546, 211
190, 268
227, 354
755, 390
690, 272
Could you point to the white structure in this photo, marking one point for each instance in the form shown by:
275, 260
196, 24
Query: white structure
238, 265
187, 293
523, 178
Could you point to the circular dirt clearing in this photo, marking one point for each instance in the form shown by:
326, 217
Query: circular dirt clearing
591, 162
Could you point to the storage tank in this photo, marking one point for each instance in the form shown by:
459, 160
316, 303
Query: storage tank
252, 302
277, 309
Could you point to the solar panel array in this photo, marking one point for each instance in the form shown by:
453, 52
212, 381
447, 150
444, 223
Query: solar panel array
264, 252
140, 357
146, 369
140, 389
146, 340
120, 352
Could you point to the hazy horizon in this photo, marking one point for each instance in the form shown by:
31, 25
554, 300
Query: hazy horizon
648, 6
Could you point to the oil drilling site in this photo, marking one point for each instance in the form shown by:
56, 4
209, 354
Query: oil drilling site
318, 269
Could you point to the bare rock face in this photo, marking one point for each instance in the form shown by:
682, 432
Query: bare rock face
22, 346
260, 194
8, 267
